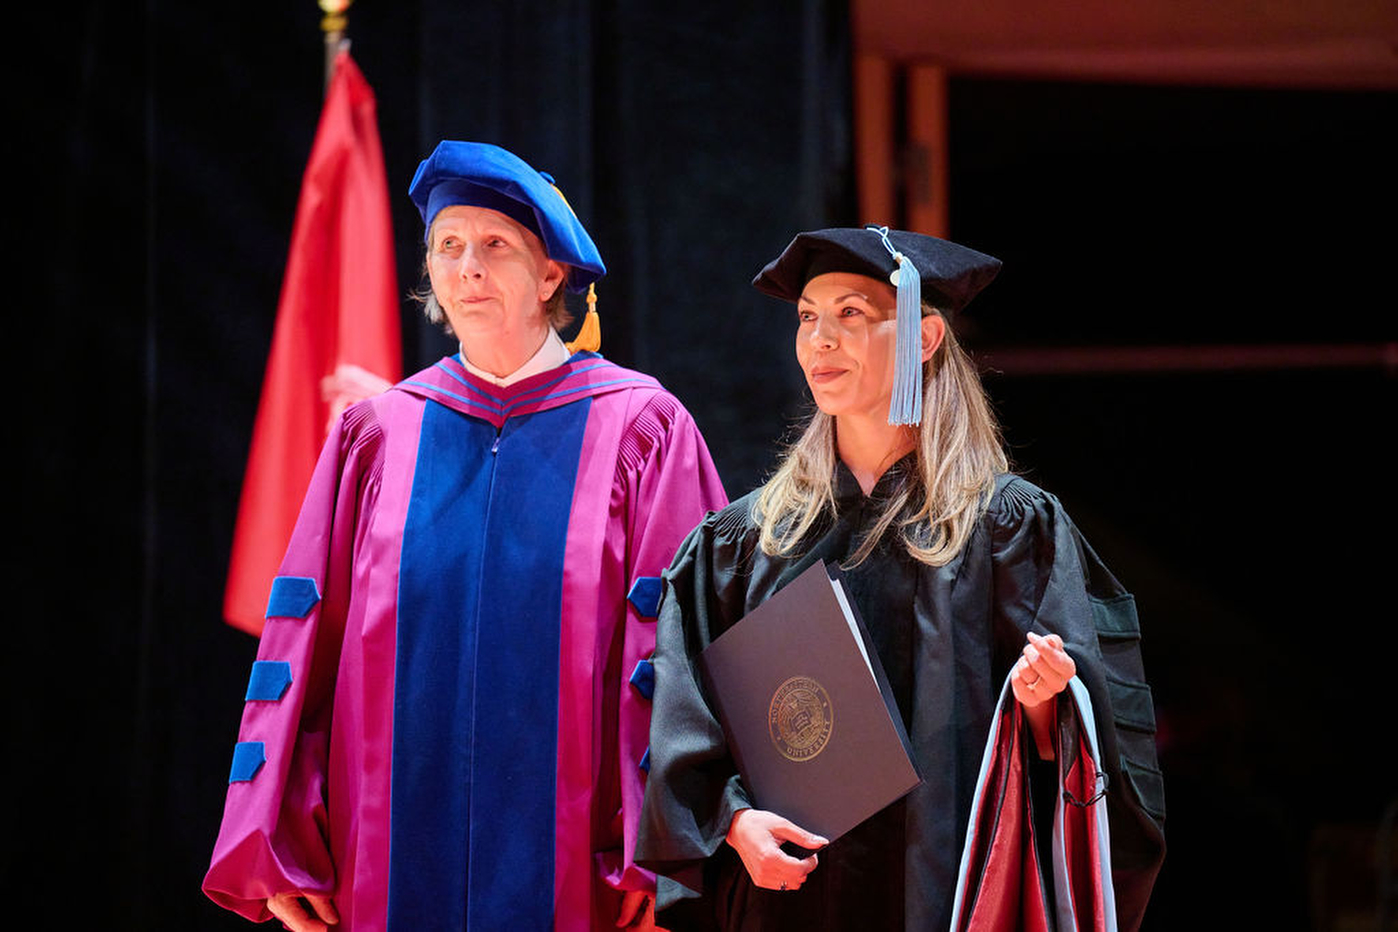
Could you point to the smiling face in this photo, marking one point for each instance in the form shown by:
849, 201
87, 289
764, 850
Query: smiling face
845, 341
491, 276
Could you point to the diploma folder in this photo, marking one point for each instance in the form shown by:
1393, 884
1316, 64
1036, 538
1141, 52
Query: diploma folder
807, 710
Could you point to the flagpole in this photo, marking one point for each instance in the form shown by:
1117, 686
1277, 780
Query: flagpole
333, 24
336, 339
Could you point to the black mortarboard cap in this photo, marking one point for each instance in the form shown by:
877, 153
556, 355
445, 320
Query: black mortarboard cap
951, 274
914, 263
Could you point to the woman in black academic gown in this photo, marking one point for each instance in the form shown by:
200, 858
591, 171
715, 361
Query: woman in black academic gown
964, 575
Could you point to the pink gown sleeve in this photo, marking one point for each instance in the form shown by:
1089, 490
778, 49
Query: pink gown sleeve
675, 485
273, 835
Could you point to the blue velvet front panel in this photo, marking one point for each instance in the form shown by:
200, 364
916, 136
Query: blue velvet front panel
476, 684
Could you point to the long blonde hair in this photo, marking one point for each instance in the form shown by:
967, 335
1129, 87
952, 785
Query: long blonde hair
958, 455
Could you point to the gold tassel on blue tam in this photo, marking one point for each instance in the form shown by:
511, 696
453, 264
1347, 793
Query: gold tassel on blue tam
906, 405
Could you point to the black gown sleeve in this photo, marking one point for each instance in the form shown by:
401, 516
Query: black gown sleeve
693, 789
1048, 579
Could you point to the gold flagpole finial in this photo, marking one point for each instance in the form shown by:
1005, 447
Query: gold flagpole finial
334, 19
333, 24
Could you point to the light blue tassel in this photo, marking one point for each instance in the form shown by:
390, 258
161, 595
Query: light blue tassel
906, 404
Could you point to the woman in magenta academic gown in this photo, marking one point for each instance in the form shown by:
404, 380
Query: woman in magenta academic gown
440, 731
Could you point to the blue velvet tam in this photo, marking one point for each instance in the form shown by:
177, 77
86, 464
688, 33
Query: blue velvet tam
478, 174
951, 274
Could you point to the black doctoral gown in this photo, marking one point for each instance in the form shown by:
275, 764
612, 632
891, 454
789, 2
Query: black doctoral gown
947, 637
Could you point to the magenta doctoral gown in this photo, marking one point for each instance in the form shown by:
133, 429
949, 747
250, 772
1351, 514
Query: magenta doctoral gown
447, 722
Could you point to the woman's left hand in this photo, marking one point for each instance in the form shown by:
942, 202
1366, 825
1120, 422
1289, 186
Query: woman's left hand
1042, 671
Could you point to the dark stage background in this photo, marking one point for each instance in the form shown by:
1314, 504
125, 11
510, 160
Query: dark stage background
158, 151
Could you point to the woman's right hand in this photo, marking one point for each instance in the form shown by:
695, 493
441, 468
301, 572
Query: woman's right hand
757, 836
287, 907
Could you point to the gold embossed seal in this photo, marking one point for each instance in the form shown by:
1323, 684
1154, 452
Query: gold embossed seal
800, 718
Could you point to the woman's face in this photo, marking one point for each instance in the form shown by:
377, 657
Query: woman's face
491, 276
844, 343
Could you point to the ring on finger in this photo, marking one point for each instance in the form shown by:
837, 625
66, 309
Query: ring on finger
1037, 679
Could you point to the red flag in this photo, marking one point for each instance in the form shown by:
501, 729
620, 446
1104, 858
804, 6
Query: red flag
336, 339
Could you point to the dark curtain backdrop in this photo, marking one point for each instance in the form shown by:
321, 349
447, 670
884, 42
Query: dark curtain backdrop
1247, 509
157, 153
